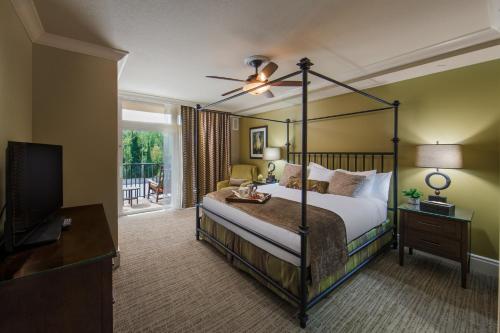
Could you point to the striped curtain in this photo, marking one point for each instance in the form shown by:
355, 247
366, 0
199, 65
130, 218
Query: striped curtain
215, 151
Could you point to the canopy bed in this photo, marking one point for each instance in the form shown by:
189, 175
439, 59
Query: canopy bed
294, 259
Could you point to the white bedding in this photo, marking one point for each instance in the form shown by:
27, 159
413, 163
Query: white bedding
359, 215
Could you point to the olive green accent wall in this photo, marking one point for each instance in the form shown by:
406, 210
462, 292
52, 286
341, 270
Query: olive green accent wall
75, 104
457, 106
15, 85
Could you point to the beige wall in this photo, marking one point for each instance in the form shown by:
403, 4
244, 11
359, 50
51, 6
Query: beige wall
75, 105
15, 84
458, 106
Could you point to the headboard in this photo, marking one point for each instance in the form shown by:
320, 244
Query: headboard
351, 161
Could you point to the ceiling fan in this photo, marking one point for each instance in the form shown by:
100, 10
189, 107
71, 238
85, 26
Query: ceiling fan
259, 78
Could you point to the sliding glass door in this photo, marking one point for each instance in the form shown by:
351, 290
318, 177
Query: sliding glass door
148, 142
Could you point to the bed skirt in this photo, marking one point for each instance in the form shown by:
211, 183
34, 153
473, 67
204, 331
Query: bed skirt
283, 272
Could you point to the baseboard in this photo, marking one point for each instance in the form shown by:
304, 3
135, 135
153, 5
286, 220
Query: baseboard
116, 260
484, 265
478, 264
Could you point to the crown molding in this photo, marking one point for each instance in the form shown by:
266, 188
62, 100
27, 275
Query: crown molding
78, 46
28, 15
494, 13
148, 98
474, 41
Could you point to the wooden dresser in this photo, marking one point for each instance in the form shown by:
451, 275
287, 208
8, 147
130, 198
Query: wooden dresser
441, 235
64, 286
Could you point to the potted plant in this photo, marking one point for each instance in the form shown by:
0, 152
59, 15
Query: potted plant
413, 196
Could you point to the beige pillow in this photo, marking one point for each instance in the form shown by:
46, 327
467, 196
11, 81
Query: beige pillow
290, 170
345, 184
312, 185
236, 181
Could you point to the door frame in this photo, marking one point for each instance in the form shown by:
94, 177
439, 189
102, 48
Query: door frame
137, 126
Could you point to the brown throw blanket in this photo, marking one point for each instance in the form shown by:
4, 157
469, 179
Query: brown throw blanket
327, 244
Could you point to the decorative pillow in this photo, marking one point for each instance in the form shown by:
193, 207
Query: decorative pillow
312, 185
236, 181
365, 190
320, 173
345, 184
290, 170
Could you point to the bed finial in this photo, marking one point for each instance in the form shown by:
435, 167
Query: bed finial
305, 63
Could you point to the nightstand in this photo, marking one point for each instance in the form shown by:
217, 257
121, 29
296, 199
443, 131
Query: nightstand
441, 235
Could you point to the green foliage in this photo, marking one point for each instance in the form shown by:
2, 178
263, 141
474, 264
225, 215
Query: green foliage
412, 193
142, 147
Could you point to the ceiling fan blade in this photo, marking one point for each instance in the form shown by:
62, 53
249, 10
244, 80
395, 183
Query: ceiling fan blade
287, 84
232, 91
268, 94
267, 71
224, 78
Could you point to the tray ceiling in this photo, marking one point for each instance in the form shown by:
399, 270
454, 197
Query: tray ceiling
174, 44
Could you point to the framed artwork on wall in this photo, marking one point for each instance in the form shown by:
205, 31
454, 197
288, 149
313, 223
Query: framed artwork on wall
258, 141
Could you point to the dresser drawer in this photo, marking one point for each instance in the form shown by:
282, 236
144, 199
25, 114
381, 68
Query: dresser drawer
433, 225
433, 243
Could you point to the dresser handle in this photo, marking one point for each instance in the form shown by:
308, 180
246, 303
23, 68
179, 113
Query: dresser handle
429, 242
430, 224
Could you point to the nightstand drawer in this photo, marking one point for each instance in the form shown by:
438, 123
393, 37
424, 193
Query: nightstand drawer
433, 243
433, 225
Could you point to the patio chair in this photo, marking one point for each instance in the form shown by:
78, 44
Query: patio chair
156, 187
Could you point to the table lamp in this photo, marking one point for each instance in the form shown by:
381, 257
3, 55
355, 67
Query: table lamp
271, 154
439, 156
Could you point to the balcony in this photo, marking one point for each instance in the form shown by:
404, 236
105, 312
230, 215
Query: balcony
135, 187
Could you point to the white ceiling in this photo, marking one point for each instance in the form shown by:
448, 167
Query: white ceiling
174, 44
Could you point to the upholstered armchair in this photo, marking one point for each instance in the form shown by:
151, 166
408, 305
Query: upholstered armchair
240, 175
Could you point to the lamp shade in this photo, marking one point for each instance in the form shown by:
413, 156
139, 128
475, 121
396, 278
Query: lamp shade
439, 156
271, 154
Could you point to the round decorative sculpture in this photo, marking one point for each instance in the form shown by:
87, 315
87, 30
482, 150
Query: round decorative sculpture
271, 167
438, 189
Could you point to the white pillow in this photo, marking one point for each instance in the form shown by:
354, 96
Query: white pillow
319, 173
381, 186
365, 190
312, 164
358, 173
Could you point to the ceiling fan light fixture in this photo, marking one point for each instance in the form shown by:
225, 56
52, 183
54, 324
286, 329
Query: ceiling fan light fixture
258, 91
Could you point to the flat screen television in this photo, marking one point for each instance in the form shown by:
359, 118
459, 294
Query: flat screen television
34, 193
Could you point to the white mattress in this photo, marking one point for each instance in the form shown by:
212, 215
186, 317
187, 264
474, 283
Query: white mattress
359, 214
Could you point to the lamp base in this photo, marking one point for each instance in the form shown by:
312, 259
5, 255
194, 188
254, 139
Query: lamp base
270, 178
438, 198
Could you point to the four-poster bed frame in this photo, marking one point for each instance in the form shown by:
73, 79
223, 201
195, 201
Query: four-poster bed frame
331, 159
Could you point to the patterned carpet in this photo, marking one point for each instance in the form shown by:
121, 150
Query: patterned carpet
169, 282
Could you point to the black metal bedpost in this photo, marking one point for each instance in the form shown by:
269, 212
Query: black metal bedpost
395, 193
288, 140
304, 64
196, 168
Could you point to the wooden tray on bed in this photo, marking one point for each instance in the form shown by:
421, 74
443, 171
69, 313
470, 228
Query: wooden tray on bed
264, 198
